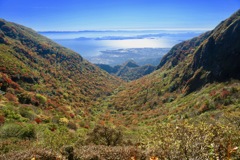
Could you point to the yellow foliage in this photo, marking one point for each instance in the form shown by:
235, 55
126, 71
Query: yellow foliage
63, 120
153, 158
133, 158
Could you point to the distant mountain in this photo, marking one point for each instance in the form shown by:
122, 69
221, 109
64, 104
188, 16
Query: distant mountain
36, 71
129, 71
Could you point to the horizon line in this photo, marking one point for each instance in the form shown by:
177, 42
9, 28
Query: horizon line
129, 29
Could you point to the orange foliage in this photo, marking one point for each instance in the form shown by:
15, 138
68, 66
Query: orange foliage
2, 120
11, 97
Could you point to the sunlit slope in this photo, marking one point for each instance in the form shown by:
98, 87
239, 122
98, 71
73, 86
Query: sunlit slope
197, 77
36, 71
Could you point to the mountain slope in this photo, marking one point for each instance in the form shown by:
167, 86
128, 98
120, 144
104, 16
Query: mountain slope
220, 53
36, 71
192, 79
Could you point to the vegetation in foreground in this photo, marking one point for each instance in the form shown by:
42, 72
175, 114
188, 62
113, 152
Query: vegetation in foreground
178, 140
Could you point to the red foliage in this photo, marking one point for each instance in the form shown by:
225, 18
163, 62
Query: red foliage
38, 120
34, 101
6, 79
2, 120
10, 82
225, 93
48, 108
71, 115
52, 129
212, 93
52, 103
3, 69
86, 126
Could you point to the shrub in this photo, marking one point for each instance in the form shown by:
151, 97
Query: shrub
28, 132
28, 154
11, 97
17, 131
183, 140
24, 98
103, 135
38, 120
26, 113
93, 152
72, 125
63, 120
12, 115
13, 145
57, 138
42, 100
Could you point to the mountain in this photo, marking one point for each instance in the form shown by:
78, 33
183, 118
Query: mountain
108, 68
56, 105
219, 55
35, 71
180, 51
129, 71
193, 74
190, 104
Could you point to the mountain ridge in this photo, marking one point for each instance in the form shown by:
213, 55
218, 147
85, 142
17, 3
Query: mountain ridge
128, 71
33, 66
179, 74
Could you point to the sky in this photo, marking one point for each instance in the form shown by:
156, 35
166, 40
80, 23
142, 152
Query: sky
75, 15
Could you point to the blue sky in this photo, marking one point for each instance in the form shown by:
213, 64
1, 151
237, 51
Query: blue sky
60, 15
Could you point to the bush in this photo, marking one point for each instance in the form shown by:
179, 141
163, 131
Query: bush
11, 114
184, 140
109, 153
103, 135
24, 98
28, 132
63, 120
72, 125
10, 130
31, 154
42, 100
54, 138
26, 113
11, 97
13, 145
17, 131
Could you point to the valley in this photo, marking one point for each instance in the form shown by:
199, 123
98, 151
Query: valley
55, 104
